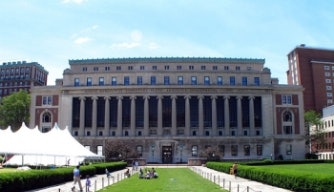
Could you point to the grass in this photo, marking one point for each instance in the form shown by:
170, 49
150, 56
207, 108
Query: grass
8, 170
170, 180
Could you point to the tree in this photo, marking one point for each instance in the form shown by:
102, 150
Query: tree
14, 110
119, 150
313, 118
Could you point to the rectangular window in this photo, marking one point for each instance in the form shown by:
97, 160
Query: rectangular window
215, 68
100, 150
234, 150
194, 151
259, 150
226, 68
287, 130
180, 80
113, 81
95, 69
84, 69
219, 80
244, 81
203, 67
288, 149
206, 80
153, 80
326, 67
237, 68
130, 68
107, 68
191, 67
328, 87
76, 82
101, 81
194, 80
328, 81
166, 67
142, 67
246, 150
257, 81
126, 80
47, 100
89, 81
166, 80
154, 67
179, 67
139, 80
286, 99
232, 80
118, 68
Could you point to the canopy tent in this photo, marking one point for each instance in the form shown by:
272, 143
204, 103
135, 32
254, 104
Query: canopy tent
56, 147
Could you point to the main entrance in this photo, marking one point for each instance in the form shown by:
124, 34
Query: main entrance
167, 154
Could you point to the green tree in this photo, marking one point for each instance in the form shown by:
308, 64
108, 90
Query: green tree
14, 110
312, 118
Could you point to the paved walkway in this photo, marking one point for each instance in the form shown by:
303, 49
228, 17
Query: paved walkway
226, 181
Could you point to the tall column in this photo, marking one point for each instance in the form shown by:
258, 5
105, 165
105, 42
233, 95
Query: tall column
173, 115
133, 116
159, 115
200, 115
119, 116
187, 131
106, 116
81, 131
227, 115
94, 118
146, 115
251, 114
214, 115
239, 117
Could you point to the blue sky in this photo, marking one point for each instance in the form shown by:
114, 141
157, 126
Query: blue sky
54, 31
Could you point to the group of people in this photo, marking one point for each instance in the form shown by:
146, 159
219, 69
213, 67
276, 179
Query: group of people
150, 174
77, 179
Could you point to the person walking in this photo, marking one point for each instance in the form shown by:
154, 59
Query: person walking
77, 177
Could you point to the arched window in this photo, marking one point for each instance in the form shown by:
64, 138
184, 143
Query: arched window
287, 116
46, 121
287, 121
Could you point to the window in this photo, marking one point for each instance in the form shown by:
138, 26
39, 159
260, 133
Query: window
139, 149
237, 68
287, 130
215, 68
288, 149
180, 80
286, 99
47, 100
226, 68
191, 67
327, 74
328, 87
166, 80
101, 81
179, 67
219, 80
246, 150
166, 67
259, 150
84, 69
139, 80
126, 80
193, 80
234, 150
89, 81
244, 81
326, 67
153, 80
95, 69
130, 68
107, 68
76, 82
99, 150
257, 81
221, 149
206, 80
194, 151
203, 67
113, 81
142, 67
328, 81
154, 67
232, 80
118, 68
46, 118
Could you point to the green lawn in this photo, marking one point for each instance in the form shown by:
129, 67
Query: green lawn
316, 168
170, 179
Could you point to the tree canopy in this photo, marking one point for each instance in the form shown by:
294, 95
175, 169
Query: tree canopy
14, 110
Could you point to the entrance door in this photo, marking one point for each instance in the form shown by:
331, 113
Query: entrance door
167, 154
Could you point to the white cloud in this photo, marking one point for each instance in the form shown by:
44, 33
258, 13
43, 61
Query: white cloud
74, 1
81, 40
125, 45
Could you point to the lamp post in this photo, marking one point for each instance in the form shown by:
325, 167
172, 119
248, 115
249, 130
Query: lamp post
152, 150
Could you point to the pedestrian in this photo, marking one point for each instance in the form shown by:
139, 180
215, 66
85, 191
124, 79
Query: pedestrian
77, 177
235, 169
88, 183
107, 173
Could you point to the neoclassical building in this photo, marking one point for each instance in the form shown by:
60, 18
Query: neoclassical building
174, 109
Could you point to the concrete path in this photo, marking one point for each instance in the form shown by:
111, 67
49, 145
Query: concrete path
226, 181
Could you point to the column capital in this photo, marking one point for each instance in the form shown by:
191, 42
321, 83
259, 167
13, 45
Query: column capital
119, 97
213, 96
200, 96
107, 98
94, 97
251, 97
133, 97
82, 98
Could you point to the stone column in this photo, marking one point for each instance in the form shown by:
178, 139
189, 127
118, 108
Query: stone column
239, 117
214, 115
200, 115
187, 131
133, 116
119, 116
227, 114
94, 118
173, 97
106, 116
159, 115
251, 114
146, 115
81, 131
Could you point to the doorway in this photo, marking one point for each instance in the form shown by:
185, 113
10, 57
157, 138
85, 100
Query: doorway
167, 154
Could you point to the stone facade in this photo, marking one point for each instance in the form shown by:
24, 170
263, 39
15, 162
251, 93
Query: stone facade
173, 110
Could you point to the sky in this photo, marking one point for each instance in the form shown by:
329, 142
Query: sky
53, 32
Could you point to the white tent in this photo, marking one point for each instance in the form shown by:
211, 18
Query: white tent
30, 146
